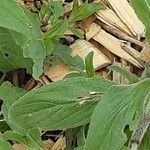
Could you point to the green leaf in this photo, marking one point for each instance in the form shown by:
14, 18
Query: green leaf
120, 106
79, 148
57, 30
57, 10
13, 17
84, 11
145, 144
81, 136
11, 54
49, 46
9, 95
77, 32
89, 65
124, 72
142, 9
59, 105
31, 139
5, 145
44, 11
13, 135
64, 52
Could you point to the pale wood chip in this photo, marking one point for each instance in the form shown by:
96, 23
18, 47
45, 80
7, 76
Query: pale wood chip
19, 147
48, 144
128, 16
109, 17
60, 144
81, 48
114, 45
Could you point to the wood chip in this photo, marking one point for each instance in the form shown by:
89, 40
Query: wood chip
128, 16
48, 144
60, 144
109, 17
114, 45
19, 147
81, 48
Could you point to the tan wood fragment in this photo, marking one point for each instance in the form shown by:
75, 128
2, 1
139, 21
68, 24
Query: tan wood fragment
109, 17
145, 53
114, 45
87, 22
81, 48
48, 144
119, 34
104, 73
134, 53
56, 72
128, 16
60, 144
105, 51
92, 30
19, 147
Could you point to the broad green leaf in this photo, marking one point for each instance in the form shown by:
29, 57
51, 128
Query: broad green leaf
27, 27
89, 65
5, 145
142, 9
13, 135
76, 32
11, 54
57, 11
33, 46
57, 30
12, 17
9, 95
59, 105
84, 11
120, 106
124, 72
31, 139
64, 52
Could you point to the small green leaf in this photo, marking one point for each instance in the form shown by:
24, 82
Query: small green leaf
64, 52
5, 145
84, 11
59, 105
44, 11
49, 46
126, 73
120, 106
142, 9
89, 65
57, 30
79, 148
81, 136
57, 11
77, 32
